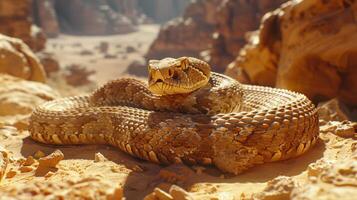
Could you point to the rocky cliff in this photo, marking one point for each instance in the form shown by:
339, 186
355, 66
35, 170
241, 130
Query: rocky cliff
305, 46
16, 22
216, 26
186, 35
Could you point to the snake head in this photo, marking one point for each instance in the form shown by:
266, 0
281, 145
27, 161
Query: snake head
177, 75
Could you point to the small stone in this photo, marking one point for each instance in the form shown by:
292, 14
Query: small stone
39, 154
51, 160
162, 195
11, 174
179, 194
49, 174
98, 157
24, 169
29, 161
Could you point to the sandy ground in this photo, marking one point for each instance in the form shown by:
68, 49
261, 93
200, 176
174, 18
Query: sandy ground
99, 171
84, 50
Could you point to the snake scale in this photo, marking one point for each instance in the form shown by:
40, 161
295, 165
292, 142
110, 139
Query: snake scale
186, 114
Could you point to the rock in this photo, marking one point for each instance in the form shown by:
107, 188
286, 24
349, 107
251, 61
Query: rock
138, 67
4, 160
91, 18
103, 47
15, 19
179, 37
18, 60
49, 62
39, 154
278, 188
98, 157
51, 160
45, 16
20, 97
332, 110
333, 180
130, 49
110, 56
82, 188
178, 193
344, 129
234, 20
293, 50
29, 161
86, 52
77, 75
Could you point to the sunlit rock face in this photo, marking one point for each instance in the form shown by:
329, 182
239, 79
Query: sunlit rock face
15, 20
216, 26
17, 59
234, 20
305, 46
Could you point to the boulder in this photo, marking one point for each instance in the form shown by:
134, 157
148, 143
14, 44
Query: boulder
187, 35
20, 97
45, 16
305, 46
17, 59
15, 20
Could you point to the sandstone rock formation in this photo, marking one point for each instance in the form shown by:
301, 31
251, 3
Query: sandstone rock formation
45, 16
19, 97
18, 60
193, 33
15, 21
305, 46
234, 20
187, 35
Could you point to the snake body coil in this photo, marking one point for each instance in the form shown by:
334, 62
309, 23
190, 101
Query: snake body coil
258, 124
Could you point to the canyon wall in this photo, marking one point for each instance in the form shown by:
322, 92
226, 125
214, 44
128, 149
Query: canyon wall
211, 29
16, 22
307, 46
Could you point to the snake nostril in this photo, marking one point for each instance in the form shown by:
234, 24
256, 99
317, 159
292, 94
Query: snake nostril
159, 81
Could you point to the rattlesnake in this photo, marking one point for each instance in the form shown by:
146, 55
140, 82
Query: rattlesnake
195, 117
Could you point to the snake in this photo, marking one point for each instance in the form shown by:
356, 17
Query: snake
187, 114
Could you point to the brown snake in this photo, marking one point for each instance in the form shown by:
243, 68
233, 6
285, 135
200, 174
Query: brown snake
187, 114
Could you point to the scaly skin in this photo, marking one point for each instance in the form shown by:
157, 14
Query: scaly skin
273, 124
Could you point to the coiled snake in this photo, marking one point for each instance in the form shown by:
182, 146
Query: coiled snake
187, 114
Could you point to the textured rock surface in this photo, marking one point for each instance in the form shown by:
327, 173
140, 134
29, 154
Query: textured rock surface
228, 20
45, 16
18, 60
306, 46
187, 35
15, 21
19, 97
235, 19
